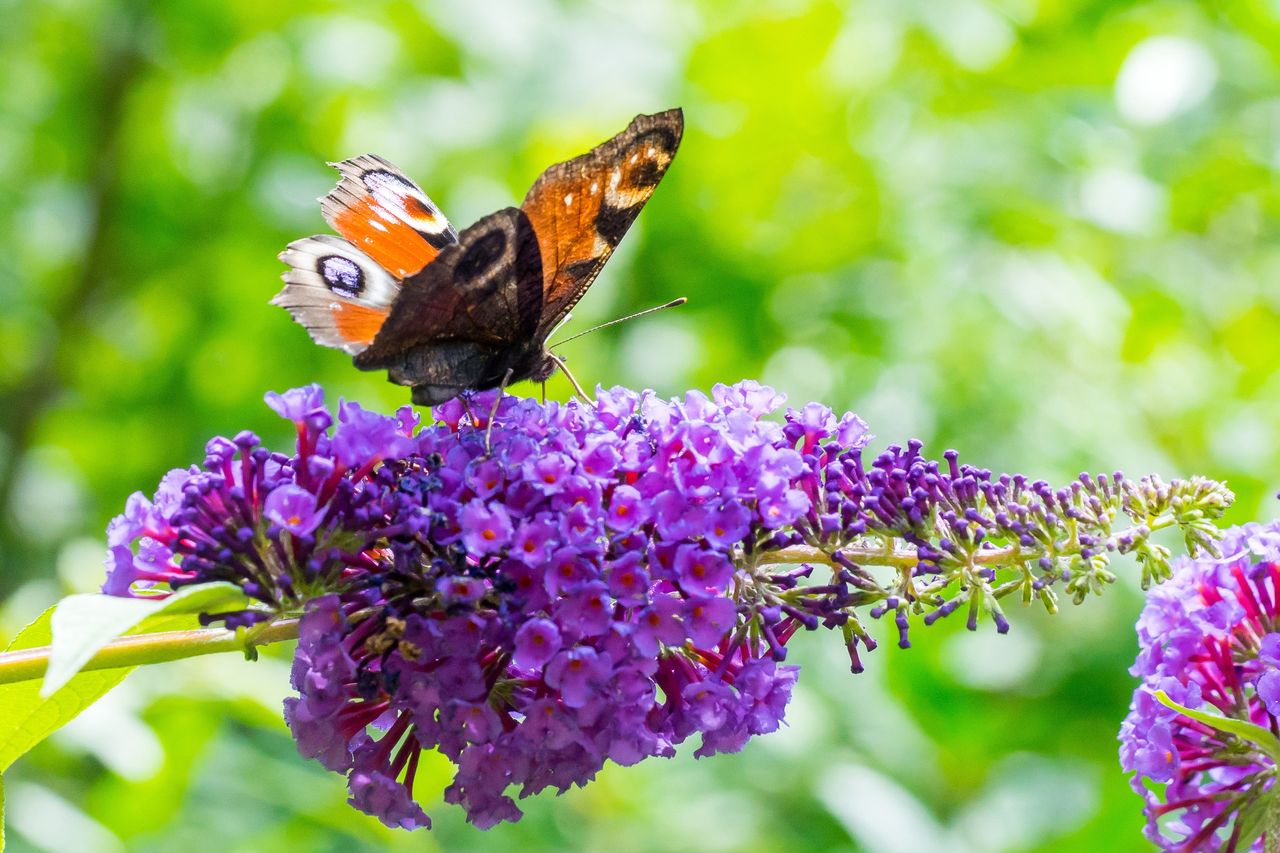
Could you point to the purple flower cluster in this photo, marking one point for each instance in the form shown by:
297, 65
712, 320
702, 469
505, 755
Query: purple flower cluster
575, 584
282, 527
1209, 639
571, 601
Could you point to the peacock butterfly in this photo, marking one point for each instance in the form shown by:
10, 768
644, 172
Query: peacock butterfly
444, 312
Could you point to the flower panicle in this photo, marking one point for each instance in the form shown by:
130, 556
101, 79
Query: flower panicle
535, 589
960, 537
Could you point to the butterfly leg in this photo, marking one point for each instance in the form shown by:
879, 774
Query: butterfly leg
493, 413
572, 379
465, 397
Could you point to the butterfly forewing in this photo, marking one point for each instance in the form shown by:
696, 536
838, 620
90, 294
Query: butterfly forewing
386, 215
580, 209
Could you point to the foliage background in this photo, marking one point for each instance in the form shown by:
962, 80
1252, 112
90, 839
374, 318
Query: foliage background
1039, 231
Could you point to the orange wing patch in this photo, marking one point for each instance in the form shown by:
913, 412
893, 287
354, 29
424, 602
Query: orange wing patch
564, 212
357, 324
580, 209
386, 215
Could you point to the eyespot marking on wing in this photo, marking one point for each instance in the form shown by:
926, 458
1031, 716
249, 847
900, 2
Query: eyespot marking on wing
342, 275
336, 292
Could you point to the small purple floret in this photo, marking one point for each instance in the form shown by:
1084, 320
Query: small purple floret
302, 405
293, 508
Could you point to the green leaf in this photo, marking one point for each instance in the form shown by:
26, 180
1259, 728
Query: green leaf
83, 624
26, 718
1258, 816
76, 628
1, 813
1257, 735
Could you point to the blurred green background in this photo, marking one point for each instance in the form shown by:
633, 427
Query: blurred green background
1041, 232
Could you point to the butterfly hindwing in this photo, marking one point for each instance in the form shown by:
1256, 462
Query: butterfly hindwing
580, 209
471, 312
386, 215
338, 293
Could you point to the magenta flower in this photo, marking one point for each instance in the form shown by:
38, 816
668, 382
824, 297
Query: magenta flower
303, 406
363, 438
728, 525
1269, 681
536, 642
533, 541
708, 618
484, 477
701, 571
782, 509
627, 509
485, 529
628, 581
579, 674
461, 590
548, 473
1207, 641
658, 624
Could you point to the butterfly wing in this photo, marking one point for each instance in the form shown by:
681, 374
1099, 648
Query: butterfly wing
580, 209
386, 215
466, 318
337, 292
341, 290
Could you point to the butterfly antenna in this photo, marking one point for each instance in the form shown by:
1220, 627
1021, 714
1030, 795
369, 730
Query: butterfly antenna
672, 304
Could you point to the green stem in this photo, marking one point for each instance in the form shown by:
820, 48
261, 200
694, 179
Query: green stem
27, 664
140, 649
906, 557
897, 557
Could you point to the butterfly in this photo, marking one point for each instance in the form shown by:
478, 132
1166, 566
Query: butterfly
401, 290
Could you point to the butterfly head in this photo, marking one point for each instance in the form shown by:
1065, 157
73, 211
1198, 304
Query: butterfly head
533, 361
545, 368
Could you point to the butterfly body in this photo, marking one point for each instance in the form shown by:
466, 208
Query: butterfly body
489, 286
443, 311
